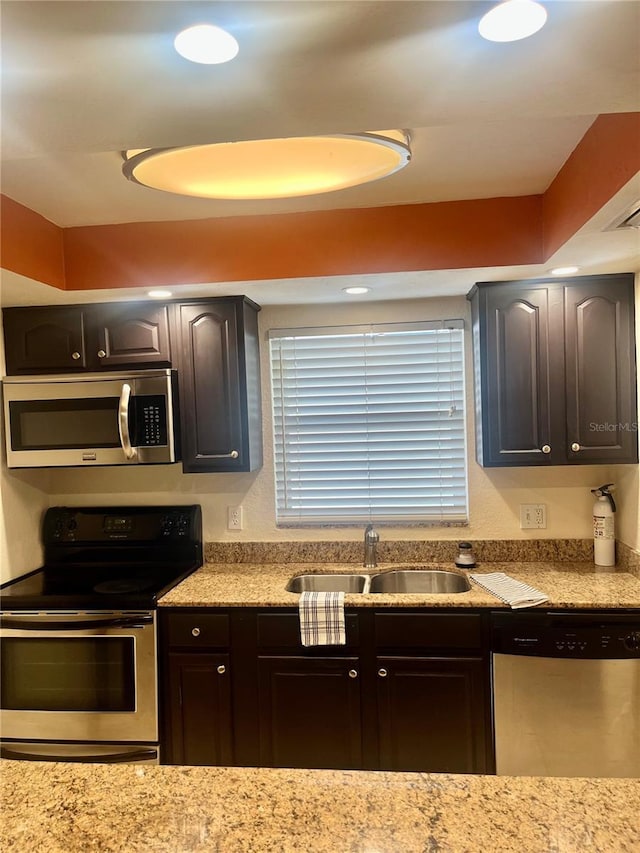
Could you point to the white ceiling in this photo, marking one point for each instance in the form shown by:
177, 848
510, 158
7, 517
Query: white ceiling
83, 80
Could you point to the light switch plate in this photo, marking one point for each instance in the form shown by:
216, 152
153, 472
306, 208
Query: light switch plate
533, 516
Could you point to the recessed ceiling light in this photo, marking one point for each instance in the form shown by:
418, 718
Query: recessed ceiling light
356, 291
270, 168
512, 20
564, 270
159, 294
206, 44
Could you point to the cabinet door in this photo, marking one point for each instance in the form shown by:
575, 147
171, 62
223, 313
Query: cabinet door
432, 714
219, 386
521, 367
601, 385
199, 709
130, 335
310, 712
44, 340
210, 387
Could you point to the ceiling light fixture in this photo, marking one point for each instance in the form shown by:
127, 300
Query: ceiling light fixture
270, 168
512, 20
564, 270
356, 291
159, 294
206, 44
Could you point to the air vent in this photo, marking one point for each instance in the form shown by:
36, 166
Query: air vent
629, 219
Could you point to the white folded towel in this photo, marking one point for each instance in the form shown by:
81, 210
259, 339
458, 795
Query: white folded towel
322, 619
512, 592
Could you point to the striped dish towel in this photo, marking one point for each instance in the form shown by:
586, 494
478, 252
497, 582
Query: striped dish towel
512, 592
322, 619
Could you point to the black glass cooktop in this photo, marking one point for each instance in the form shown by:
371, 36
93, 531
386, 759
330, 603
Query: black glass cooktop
98, 588
106, 558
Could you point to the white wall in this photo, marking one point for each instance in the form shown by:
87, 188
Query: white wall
494, 494
23, 500
628, 476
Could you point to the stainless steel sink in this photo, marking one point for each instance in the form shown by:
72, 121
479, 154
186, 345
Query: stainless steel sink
419, 580
328, 583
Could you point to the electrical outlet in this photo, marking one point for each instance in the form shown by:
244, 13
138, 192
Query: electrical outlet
234, 518
533, 516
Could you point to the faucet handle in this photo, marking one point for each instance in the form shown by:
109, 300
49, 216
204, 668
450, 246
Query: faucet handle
371, 534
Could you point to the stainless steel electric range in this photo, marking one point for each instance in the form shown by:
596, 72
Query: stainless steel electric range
78, 635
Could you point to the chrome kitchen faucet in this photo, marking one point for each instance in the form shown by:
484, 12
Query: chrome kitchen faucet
371, 539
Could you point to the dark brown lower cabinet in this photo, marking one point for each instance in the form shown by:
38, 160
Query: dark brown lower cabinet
431, 714
310, 712
410, 691
199, 696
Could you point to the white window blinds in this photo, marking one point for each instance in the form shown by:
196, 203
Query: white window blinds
369, 423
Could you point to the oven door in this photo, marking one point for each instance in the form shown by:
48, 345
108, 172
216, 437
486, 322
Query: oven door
79, 676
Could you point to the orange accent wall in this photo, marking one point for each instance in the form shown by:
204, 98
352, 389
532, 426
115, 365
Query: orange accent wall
446, 235
30, 244
443, 235
604, 160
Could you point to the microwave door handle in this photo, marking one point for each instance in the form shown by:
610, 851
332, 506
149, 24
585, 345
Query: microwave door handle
123, 422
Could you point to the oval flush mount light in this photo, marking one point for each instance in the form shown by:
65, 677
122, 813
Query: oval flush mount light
270, 168
356, 291
159, 294
512, 20
206, 44
564, 270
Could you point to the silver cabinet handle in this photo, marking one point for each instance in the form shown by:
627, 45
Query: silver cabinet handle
101, 353
221, 669
546, 448
75, 356
353, 673
575, 447
123, 422
195, 632
232, 455
382, 673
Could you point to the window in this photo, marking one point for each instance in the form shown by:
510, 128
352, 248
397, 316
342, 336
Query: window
369, 424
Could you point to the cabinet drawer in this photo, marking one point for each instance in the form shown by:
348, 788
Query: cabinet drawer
432, 630
282, 630
198, 630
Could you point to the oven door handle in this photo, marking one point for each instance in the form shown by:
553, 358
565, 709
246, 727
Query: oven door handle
75, 624
123, 755
123, 422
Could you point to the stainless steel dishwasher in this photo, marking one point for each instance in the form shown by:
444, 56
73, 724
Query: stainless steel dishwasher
566, 693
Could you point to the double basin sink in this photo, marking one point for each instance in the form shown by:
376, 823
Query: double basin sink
396, 581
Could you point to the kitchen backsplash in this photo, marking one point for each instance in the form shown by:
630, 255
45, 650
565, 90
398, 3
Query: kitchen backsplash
628, 559
436, 551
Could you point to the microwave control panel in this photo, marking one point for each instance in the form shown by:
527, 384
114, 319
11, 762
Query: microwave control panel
151, 421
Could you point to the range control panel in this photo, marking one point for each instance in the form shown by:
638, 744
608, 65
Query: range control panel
73, 535
558, 635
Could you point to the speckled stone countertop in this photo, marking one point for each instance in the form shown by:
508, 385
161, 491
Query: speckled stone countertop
567, 584
75, 808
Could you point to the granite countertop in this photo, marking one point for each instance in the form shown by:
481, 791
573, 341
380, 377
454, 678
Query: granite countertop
74, 808
567, 584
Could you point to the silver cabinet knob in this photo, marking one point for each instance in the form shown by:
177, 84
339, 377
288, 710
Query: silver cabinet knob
195, 632
382, 673
101, 353
353, 673
75, 356
575, 447
546, 448
234, 454
221, 669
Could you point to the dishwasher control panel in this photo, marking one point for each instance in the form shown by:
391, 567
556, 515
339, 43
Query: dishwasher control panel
563, 635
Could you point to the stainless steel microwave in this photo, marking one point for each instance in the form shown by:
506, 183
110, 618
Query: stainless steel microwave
94, 419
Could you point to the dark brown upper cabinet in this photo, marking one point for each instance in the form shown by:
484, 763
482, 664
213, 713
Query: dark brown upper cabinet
71, 338
555, 371
219, 368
